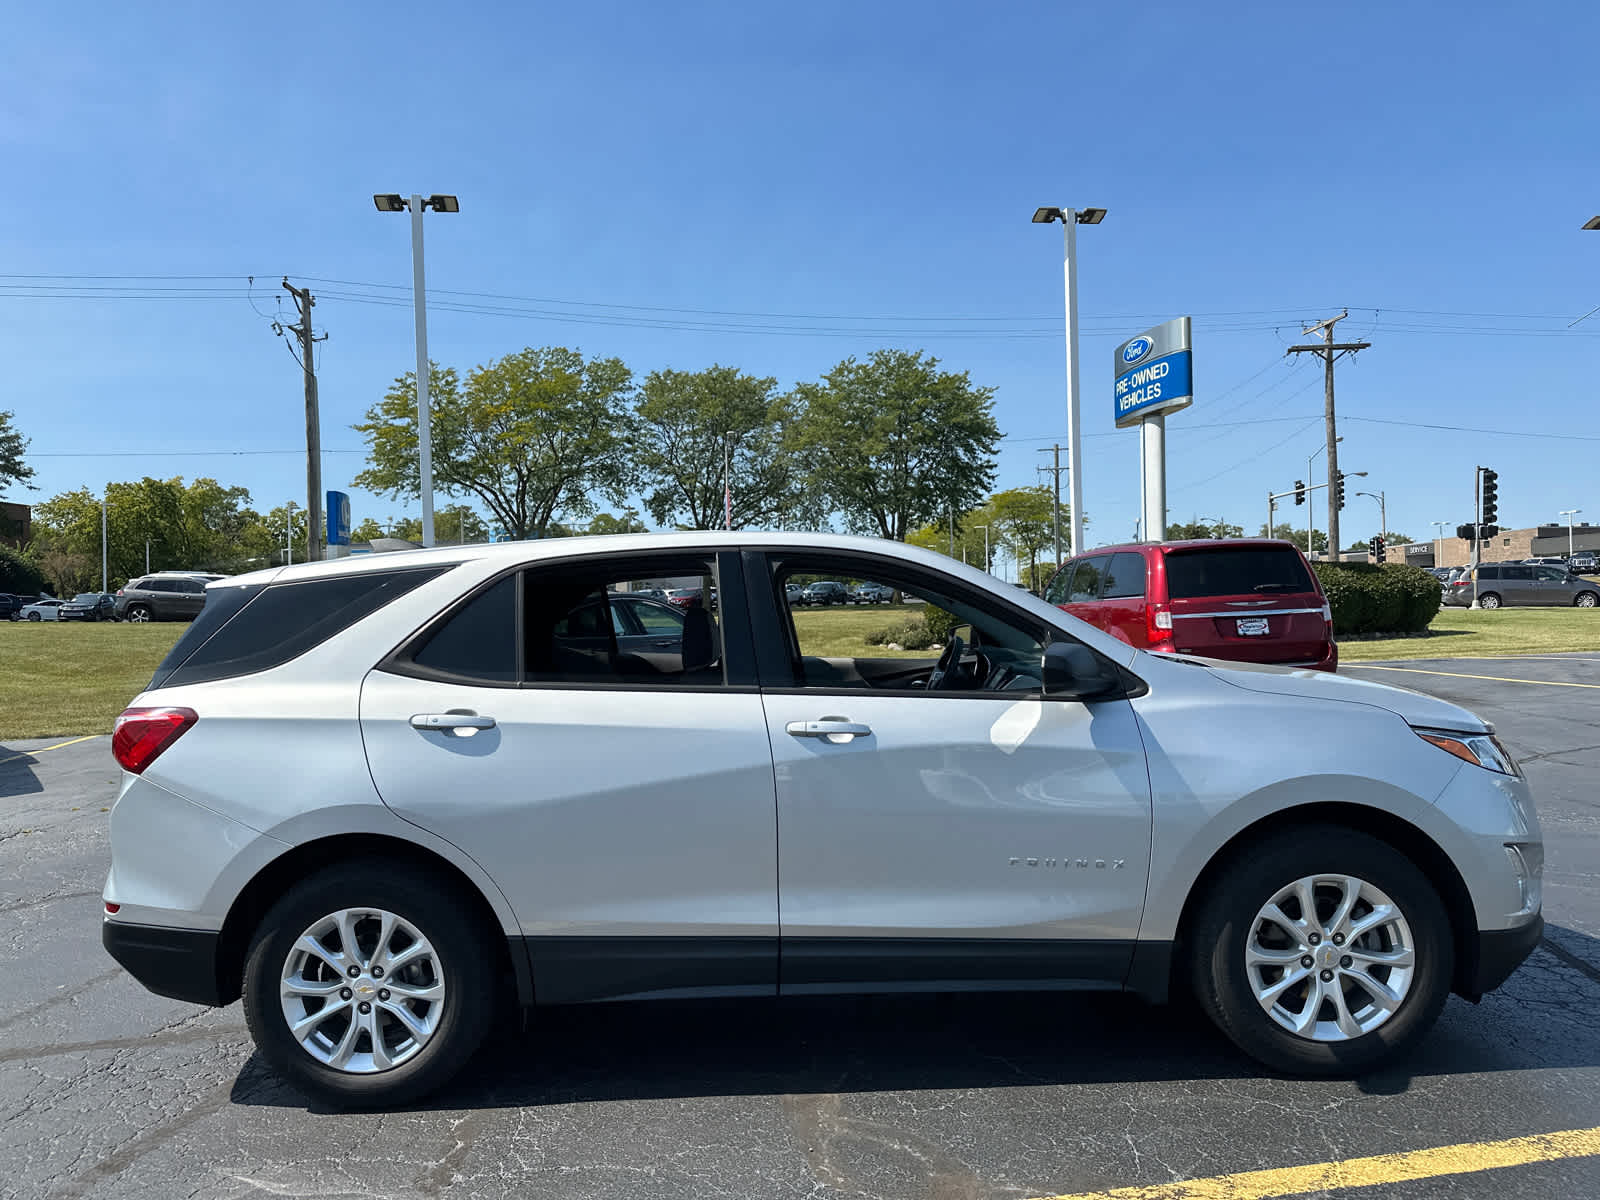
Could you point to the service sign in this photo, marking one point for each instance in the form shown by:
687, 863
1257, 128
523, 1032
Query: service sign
338, 519
1153, 373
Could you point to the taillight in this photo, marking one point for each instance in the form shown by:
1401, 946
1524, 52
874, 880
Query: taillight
1158, 625
141, 734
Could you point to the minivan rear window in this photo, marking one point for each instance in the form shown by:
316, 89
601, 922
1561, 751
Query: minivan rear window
259, 626
1237, 571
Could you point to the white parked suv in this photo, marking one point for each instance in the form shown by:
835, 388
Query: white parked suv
376, 797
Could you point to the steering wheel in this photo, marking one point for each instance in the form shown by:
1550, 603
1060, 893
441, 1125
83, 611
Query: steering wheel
949, 662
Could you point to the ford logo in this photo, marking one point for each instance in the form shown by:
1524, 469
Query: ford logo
1137, 349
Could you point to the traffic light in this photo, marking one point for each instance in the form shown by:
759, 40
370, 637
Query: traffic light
1299, 491
1468, 533
1338, 490
1378, 549
1491, 497
1488, 531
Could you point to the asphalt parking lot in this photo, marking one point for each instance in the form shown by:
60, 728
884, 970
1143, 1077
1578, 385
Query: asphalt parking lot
107, 1091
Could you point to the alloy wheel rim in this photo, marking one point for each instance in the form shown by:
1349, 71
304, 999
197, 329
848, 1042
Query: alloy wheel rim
1330, 958
362, 990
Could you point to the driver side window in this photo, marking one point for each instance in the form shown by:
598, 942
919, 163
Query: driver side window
898, 633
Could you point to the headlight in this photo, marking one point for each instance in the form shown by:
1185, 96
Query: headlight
1480, 749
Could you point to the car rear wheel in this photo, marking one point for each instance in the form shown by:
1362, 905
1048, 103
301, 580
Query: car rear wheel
369, 985
1323, 951
35, 617
1585, 600
1488, 600
138, 612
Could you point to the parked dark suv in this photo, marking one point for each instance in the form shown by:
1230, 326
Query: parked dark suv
11, 606
162, 597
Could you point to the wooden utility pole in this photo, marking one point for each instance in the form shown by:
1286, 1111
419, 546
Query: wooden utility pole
304, 302
1329, 350
1055, 513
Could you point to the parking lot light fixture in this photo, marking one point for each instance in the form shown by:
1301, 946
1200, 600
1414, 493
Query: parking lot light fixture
1569, 513
1070, 219
394, 202
1591, 223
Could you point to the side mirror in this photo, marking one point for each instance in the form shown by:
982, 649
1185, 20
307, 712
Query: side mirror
1072, 671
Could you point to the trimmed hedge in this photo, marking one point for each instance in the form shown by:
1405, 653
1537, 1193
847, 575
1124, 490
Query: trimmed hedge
909, 634
1379, 597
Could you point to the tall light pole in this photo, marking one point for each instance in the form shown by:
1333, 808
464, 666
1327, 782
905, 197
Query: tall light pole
1311, 509
102, 541
1383, 513
1438, 540
393, 202
1569, 513
985, 529
1070, 219
288, 534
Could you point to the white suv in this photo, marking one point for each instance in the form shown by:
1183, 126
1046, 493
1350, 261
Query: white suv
376, 796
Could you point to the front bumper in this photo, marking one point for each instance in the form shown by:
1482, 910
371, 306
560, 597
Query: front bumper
179, 963
1502, 951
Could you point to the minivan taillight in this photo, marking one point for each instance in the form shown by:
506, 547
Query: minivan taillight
1158, 627
141, 734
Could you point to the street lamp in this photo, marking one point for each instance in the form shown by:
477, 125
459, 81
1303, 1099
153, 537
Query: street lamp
1383, 513
1569, 513
1438, 540
1070, 219
393, 202
1592, 223
985, 529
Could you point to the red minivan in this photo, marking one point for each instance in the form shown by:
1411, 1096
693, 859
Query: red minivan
1248, 599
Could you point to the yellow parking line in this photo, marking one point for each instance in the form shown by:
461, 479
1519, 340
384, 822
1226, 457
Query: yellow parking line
1462, 675
30, 753
1465, 1159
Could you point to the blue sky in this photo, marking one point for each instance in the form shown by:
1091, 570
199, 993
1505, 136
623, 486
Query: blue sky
872, 166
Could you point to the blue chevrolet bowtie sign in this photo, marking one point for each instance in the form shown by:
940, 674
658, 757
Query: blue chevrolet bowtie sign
1154, 373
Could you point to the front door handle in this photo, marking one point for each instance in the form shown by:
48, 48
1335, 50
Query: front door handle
830, 728
450, 722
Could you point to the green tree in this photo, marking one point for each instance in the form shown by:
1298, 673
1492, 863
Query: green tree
452, 526
1201, 530
19, 573
972, 541
1319, 543
1024, 518
12, 446
530, 435
894, 443
688, 421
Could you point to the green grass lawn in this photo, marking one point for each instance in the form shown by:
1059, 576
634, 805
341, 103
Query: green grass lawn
61, 678
839, 631
1487, 633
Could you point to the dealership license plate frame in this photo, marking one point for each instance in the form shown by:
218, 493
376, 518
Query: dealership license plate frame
1253, 626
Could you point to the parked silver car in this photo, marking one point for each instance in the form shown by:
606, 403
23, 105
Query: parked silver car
1522, 584
491, 795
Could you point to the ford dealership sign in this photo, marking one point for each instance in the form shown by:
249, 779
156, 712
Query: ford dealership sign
1154, 374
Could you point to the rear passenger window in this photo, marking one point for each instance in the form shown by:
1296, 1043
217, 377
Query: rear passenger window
1086, 580
1488, 573
283, 621
479, 641
1520, 573
1124, 577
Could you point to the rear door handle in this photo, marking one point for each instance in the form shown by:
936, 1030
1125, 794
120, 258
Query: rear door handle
449, 721
830, 728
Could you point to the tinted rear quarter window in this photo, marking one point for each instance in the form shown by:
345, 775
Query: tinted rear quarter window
479, 641
1240, 571
277, 622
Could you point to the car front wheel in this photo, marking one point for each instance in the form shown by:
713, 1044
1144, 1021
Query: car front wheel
1488, 600
1322, 952
369, 985
1586, 600
35, 617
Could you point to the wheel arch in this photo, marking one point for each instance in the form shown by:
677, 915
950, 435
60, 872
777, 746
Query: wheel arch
269, 883
1396, 831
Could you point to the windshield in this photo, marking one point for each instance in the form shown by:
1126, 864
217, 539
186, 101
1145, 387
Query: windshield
86, 598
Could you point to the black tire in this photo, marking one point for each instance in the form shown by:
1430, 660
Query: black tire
1223, 924
1489, 600
35, 617
466, 958
1585, 600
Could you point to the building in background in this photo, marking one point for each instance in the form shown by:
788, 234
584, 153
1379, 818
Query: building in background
16, 524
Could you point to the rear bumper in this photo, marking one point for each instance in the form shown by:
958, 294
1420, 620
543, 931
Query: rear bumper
178, 963
1502, 951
